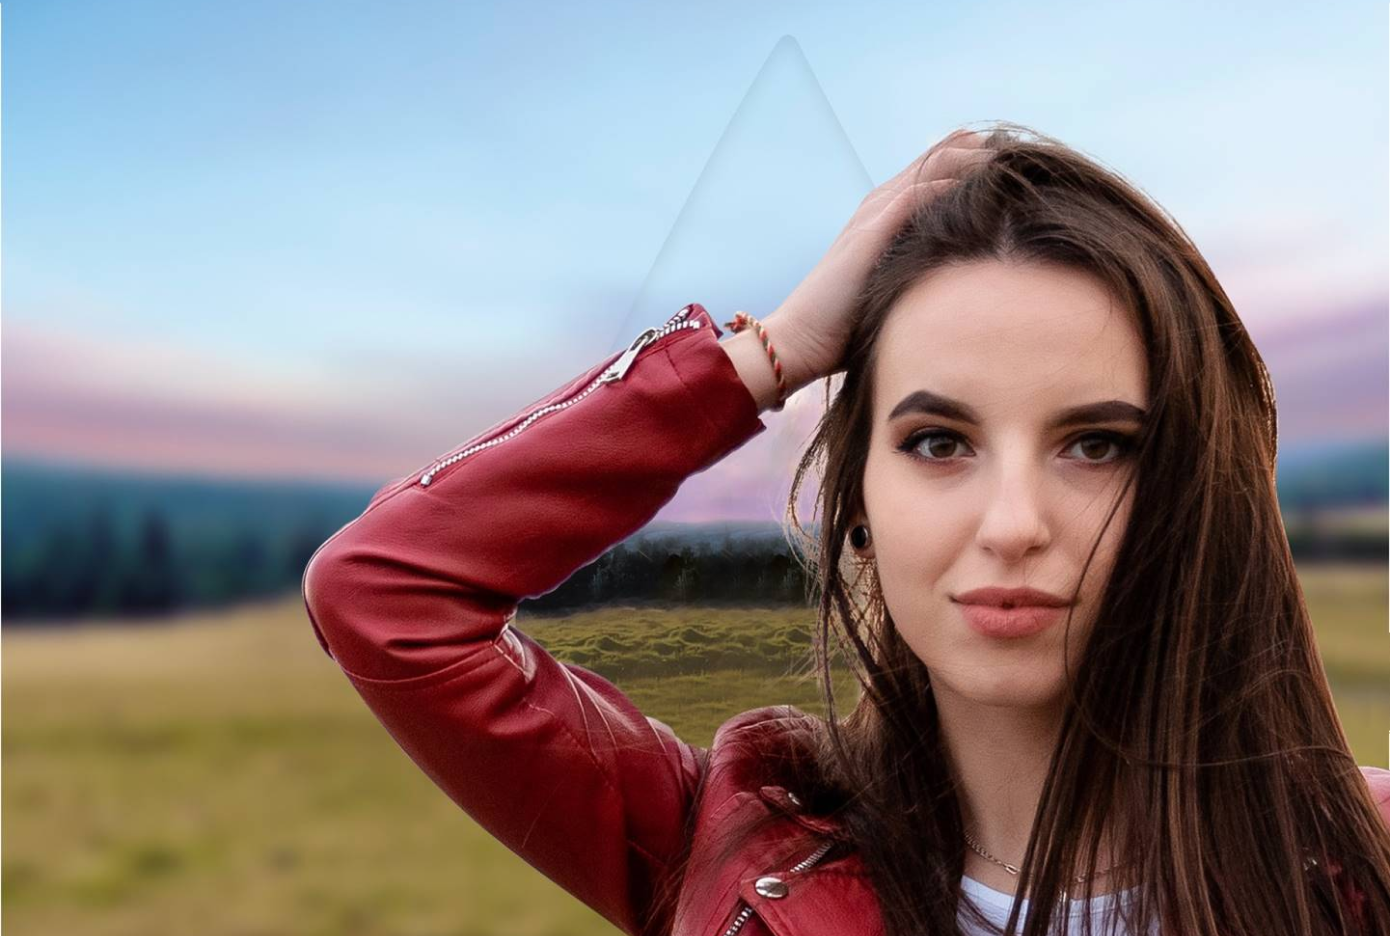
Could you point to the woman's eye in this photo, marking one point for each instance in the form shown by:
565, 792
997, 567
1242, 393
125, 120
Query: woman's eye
1098, 443
940, 444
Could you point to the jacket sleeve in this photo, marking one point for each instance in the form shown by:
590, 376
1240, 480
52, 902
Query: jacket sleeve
415, 599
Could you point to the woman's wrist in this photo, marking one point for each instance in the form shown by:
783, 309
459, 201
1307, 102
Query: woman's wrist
749, 358
754, 366
797, 371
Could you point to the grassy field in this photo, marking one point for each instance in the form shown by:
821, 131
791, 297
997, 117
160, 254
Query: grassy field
221, 777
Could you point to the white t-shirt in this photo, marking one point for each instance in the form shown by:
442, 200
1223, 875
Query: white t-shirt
996, 906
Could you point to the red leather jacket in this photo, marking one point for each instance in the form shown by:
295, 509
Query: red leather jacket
415, 599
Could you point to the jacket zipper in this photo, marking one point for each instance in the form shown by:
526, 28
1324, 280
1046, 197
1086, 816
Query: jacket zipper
611, 374
746, 909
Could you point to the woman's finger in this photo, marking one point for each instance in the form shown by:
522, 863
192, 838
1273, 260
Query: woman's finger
952, 147
897, 208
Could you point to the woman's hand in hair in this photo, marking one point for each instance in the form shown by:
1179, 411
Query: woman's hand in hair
811, 326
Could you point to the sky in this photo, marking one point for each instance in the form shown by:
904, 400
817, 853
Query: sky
329, 241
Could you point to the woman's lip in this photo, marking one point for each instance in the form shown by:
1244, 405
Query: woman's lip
999, 596
1022, 621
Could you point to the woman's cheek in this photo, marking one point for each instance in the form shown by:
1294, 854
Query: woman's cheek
917, 552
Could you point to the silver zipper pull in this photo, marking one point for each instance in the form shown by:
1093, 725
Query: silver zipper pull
620, 366
774, 887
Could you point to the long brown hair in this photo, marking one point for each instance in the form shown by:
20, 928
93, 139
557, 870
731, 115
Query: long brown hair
1199, 727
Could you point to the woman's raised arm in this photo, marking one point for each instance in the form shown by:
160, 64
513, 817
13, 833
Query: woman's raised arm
415, 599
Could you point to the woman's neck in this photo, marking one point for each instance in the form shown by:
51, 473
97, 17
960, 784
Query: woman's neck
1000, 757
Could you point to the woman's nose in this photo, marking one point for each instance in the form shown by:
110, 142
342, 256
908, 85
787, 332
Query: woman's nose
1014, 519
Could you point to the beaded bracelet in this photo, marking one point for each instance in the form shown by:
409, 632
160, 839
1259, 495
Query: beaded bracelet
741, 321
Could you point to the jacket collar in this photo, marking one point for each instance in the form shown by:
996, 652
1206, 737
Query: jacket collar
786, 802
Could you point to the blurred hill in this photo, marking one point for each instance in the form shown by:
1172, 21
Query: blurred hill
1334, 477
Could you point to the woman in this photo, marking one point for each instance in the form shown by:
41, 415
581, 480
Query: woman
1044, 388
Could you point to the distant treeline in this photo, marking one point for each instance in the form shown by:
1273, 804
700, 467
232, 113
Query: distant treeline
95, 568
673, 568
92, 568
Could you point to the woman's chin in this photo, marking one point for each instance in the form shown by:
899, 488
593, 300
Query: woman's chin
1030, 687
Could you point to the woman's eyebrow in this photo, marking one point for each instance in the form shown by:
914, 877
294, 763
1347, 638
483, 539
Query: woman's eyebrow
936, 404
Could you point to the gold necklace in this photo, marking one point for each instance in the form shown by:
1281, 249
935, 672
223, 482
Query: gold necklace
1013, 869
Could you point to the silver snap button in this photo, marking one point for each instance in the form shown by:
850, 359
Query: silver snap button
770, 886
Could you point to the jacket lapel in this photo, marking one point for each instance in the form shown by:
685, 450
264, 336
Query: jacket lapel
833, 900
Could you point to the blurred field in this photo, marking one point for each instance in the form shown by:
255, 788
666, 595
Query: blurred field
221, 776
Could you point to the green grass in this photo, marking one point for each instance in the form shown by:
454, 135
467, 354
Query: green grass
221, 776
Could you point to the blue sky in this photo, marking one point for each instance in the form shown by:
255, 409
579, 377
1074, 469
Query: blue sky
332, 239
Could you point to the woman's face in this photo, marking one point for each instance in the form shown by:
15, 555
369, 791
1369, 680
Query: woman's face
1000, 493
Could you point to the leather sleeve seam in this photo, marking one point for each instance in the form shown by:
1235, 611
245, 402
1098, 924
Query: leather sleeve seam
602, 772
434, 678
474, 655
675, 368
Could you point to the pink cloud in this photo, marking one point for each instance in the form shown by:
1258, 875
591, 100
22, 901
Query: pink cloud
1331, 374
